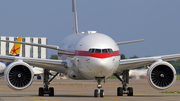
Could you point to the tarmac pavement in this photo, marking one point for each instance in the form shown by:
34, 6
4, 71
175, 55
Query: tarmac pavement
83, 90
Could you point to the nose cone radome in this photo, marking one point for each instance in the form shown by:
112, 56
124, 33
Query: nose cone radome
102, 67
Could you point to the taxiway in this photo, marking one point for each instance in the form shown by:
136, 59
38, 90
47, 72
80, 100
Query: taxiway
73, 90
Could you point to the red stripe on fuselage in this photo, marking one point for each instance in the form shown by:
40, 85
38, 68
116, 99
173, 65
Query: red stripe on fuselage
97, 55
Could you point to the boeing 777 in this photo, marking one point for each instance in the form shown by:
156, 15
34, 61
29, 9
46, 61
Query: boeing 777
89, 56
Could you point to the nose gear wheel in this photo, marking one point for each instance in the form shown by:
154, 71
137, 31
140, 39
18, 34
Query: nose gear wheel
99, 91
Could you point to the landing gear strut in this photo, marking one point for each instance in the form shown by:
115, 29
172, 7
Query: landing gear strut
46, 89
99, 86
125, 80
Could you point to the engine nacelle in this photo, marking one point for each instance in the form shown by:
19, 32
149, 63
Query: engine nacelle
18, 75
161, 75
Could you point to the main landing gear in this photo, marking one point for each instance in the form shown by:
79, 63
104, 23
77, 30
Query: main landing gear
99, 91
46, 89
125, 80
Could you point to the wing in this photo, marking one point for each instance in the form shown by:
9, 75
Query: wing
127, 42
55, 65
137, 62
39, 45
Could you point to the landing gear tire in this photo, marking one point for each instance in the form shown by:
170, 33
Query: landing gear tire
41, 91
95, 93
119, 91
46, 81
51, 91
130, 91
101, 93
125, 80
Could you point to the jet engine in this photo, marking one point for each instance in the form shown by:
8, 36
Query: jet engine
161, 75
18, 75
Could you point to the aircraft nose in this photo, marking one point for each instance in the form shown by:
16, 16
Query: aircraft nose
101, 67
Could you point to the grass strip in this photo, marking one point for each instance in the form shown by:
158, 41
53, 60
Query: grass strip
171, 92
113, 77
178, 77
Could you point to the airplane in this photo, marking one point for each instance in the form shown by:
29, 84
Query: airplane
88, 56
14, 52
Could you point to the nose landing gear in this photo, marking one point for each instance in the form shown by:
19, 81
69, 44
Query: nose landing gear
99, 91
125, 80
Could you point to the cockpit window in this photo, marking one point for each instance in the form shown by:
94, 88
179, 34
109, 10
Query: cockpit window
110, 51
91, 51
105, 51
97, 50
100, 51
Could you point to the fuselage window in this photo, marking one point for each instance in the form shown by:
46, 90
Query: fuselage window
100, 51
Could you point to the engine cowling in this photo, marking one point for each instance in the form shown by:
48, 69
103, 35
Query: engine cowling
18, 75
161, 75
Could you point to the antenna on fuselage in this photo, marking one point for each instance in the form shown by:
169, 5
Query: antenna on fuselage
75, 24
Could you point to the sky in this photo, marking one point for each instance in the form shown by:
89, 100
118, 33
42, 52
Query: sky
156, 21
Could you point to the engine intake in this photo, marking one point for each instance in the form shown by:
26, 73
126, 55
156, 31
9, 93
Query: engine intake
18, 75
161, 75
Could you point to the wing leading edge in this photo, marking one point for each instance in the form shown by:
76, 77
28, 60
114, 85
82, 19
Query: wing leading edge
137, 62
55, 65
127, 42
39, 45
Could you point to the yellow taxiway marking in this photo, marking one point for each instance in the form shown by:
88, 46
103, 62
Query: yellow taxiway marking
67, 84
109, 99
139, 94
53, 83
42, 98
102, 97
74, 85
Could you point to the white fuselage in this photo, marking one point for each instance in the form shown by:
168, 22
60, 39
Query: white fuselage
96, 55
